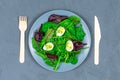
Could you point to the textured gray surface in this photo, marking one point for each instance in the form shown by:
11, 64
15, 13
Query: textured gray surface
108, 13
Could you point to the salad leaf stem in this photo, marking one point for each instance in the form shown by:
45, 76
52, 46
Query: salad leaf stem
42, 55
58, 63
49, 34
66, 57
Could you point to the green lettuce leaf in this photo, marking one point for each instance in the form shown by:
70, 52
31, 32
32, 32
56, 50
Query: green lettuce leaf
48, 25
74, 19
49, 34
65, 23
72, 60
80, 34
35, 44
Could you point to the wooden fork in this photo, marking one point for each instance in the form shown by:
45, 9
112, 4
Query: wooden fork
22, 28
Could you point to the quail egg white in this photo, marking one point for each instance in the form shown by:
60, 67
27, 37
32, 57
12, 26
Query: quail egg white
69, 45
60, 31
48, 46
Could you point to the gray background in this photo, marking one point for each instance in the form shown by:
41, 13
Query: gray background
108, 13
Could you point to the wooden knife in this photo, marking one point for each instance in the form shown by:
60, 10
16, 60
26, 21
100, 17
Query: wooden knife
97, 38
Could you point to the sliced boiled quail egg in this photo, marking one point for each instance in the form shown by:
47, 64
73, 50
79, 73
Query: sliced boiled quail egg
60, 31
48, 46
69, 45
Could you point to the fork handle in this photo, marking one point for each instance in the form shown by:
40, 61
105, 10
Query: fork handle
22, 47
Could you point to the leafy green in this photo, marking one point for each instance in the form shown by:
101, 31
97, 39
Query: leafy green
41, 53
61, 41
66, 57
49, 62
72, 60
74, 19
49, 34
35, 44
80, 34
71, 29
76, 52
65, 23
41, 44
48, 25
58, 63
69, 36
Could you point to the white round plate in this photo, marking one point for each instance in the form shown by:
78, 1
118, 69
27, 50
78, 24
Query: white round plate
64, 66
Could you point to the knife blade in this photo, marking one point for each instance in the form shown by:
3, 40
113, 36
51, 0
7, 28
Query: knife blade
97, 38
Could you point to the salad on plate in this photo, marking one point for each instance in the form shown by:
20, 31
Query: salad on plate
59, 40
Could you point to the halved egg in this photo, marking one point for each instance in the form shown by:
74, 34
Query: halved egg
60, 31
69, 45
48, 46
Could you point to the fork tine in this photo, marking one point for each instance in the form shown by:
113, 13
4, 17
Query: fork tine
22, 18
25, 18
19, 18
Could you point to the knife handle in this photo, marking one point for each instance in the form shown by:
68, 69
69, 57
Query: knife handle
96, 53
